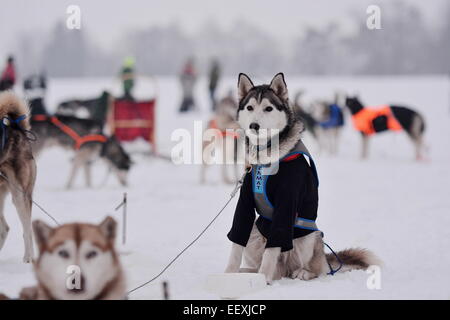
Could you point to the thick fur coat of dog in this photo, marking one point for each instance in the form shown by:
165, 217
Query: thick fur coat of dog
67, 249
287, 244
17, 167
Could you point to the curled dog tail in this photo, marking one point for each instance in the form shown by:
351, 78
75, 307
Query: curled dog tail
12, 106
352, 259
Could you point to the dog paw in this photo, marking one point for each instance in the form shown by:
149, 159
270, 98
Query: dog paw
27, 259
302, 274
268, 275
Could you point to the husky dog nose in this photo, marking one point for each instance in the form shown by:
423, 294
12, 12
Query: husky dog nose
254, 126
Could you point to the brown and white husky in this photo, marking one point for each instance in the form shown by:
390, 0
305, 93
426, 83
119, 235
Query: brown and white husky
17, 167
77, 261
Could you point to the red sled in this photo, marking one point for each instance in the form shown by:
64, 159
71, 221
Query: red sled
130, 120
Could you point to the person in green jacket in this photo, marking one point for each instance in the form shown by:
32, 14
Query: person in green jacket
127, 75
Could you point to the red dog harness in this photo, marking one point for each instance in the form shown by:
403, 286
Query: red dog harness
79, 140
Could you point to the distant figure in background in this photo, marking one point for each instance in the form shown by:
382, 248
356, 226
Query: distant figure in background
214, 75
127, 75
35, 87
188, 78
8, 78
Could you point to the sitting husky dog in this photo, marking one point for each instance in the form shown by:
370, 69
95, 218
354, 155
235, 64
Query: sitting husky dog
370, 121
223, 119
65, 250
17, 167
48, 134
284, 241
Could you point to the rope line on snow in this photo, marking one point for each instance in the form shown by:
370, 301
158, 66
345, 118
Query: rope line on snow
31, 199
233, 193
182, 251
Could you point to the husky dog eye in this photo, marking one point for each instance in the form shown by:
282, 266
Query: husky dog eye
63, 253
268, 109
249, 108
91, 254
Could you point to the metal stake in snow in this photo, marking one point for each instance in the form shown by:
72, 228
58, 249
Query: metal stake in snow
123, 205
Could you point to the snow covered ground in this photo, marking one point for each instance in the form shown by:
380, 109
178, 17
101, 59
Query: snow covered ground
390, 204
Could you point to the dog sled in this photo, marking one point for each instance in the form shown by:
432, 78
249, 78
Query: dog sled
130, 120
126, 119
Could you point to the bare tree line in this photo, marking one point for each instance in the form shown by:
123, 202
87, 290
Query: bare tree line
404, 45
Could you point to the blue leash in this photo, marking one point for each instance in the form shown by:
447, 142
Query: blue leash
332, 272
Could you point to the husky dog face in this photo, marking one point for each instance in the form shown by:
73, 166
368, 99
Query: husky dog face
263, 110
87, 247
118, 158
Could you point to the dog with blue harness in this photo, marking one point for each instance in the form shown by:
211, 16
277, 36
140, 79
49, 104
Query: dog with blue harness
17, 166
274, 230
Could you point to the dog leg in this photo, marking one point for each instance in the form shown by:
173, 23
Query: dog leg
235, 260
317, 263
416, 136
225, 177
4, 228
205, 162
365, 146
87, 174
22, 202
269, 263
78, 161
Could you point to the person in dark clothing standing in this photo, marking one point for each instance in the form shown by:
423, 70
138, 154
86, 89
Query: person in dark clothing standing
214, 76
188, 78
8, 78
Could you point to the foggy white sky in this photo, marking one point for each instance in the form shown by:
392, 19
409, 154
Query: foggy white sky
107, 20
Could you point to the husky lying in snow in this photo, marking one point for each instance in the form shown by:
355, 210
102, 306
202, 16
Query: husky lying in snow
284, 240
18, 166
88, 246
369, 121
223, 119
110, 150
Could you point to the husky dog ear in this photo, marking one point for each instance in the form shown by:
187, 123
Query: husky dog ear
244, 85
278, 85
42, 232
108, 228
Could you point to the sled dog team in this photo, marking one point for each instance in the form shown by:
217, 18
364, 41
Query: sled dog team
274, 229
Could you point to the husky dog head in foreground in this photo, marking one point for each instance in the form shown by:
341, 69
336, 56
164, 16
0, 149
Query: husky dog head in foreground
265, 116
65, 250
